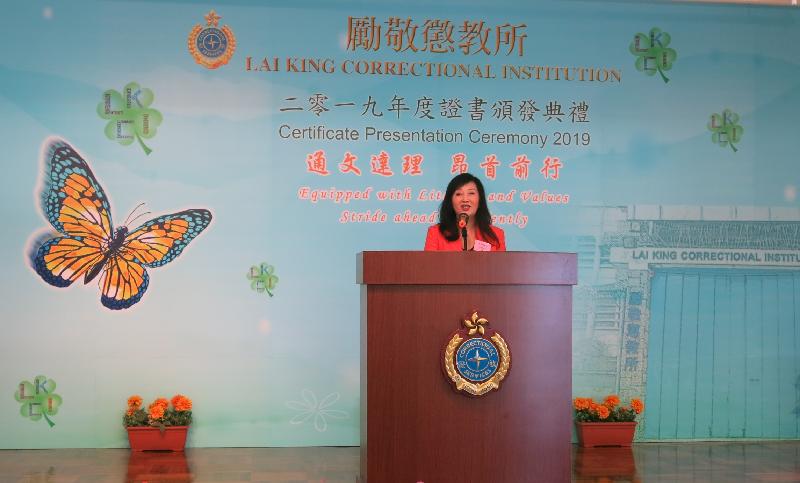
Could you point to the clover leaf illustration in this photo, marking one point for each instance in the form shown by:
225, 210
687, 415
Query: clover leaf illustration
38, 399
262, 278
652, 53
129, 115
726, 129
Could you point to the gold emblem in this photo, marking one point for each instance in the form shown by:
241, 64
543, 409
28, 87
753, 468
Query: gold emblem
477, 358
212, 46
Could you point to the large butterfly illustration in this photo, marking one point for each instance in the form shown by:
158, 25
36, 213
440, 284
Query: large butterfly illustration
76, 205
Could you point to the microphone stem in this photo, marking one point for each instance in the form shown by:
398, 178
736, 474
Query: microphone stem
464, 238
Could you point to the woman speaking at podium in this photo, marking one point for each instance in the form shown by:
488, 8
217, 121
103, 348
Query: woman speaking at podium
464, 219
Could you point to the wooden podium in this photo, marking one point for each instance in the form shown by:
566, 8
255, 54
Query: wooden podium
414, 425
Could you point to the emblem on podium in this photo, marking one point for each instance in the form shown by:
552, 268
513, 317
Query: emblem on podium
212, 46
476, 358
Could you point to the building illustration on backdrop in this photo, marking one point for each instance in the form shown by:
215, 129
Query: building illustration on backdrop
685, 305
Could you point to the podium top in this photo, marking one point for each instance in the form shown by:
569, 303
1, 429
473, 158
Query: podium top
466, 268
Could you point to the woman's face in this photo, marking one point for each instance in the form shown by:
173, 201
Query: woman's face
466, 199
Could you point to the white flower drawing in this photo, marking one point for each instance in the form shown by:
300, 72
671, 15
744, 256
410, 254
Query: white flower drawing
310, 407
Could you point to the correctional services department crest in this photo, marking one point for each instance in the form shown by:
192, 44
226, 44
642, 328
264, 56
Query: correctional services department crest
476, 358
212, 46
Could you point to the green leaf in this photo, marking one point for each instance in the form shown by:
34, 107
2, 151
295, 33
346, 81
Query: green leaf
51, 405
731, 116
735, 133
640, 44
146, 122
48, 385
27, 391
112, 106
666, 58
640, 64
137, 97
120, 131
659, 38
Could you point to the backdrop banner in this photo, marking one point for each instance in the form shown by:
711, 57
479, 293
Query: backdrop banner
187, 184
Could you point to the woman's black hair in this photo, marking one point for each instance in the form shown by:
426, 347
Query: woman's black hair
448, 222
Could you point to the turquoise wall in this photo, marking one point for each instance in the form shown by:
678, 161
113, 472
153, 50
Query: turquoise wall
723, 355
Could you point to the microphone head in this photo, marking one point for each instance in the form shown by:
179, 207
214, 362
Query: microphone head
463, 219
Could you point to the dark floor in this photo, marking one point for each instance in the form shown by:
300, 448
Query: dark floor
645, 462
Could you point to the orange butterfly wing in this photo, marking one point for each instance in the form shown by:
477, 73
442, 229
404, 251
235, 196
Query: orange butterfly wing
75, 204
155, 243
124, 282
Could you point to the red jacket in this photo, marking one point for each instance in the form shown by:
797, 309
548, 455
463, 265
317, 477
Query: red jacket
435, 241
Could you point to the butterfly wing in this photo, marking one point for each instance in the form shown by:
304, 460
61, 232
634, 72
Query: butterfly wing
124, 282
160, 240
60, 261
71, 198
76, 205
155, 243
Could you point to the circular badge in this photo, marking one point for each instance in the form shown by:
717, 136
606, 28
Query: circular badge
211, 42
477, 359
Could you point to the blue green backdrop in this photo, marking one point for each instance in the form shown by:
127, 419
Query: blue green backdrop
649, 173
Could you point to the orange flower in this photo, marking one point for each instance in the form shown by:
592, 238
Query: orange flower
134, 402
181, 403
156, 412
611, 401
160, 402
603, 412
637, 405
582, 403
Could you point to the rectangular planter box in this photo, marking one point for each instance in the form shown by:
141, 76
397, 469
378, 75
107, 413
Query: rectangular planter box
146, 438
605, 434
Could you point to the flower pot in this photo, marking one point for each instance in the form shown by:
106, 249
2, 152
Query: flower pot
146, 438
591, 435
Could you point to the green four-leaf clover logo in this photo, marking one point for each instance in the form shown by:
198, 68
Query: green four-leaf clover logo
129, 115
726, 129
652, 53
38, 399
262, 278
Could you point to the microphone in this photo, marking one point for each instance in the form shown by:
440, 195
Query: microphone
463, 219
